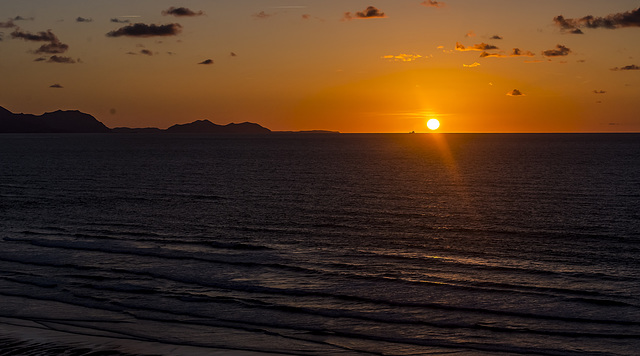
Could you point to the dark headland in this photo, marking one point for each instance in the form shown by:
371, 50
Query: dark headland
74, 121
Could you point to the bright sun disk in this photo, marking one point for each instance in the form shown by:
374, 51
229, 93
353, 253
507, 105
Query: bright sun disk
433, 124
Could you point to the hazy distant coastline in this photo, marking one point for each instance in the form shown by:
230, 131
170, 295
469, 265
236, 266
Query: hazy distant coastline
74, 121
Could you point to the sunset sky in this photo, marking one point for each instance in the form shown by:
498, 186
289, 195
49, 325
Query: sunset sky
352, 66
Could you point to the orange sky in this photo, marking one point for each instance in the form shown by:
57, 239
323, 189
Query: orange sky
356, 66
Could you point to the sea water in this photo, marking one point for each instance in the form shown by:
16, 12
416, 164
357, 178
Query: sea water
320, 244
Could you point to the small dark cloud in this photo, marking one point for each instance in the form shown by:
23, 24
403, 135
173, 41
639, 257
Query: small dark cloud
629, 67
599, 92
144, 30
233, 54
370, 12
517, 52
262, 15
432, 3
146, 52
117, 20
57, 86
306, 16
477, 47
489, 55
181, 11
612, 21
44, 36
207, 61
40, 59
515, 92
559, 51
53, 47
495, 37
83, 19
20, 18
7, 24
60, 59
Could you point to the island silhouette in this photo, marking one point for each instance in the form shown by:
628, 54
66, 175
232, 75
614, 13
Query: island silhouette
74, 121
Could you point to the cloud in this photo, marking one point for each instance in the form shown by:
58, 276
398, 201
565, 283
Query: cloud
629, 67
82, 19
515, 92
146, 52
8, 24
612, 21
144, 30
477, 47
560, 50
20, 18
470, 34
306, 16
181, 11
40, 59
403, 57
599, 92
60, 59
54, 45
517, 52
117, 20
233, 54
433, 3
57, 86
490, 55
370, 12
262, 15
207, 61
472, 65
496, 37
40, 36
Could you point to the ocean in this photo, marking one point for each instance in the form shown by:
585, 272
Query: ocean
320, 244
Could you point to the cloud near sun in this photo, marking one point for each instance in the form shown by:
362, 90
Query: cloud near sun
403, 57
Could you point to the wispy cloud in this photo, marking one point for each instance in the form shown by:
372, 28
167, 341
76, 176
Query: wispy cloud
7, 24
476, 47
21, 18
370, 12
433, 3
403, 57
599, 92
181, 11
472, 65
146, 52
117, 20
83, 19
612, 21
559, 51
144, 30
60, 59
56, 86
207, 61
262, 15
629, 67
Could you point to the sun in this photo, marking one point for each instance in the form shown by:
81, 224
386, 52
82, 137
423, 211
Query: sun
433, 124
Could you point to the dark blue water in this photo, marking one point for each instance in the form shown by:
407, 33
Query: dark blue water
320, 244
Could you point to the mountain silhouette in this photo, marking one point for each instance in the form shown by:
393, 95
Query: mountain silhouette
206, 126
70, 121
74, 121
